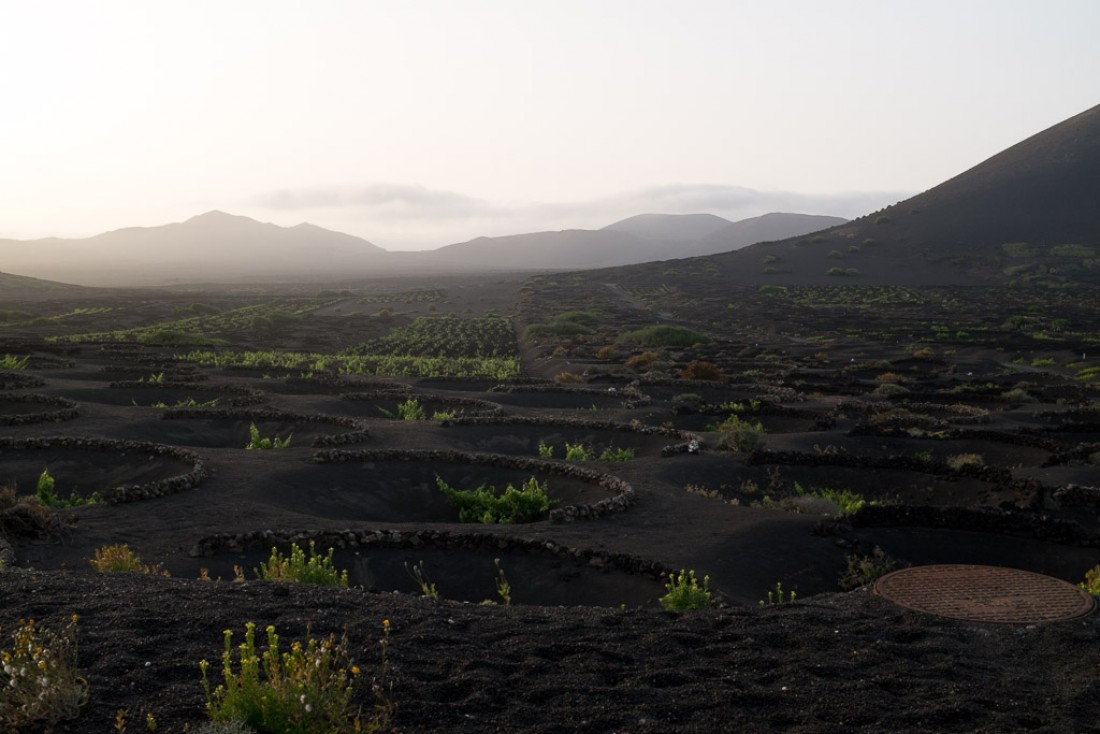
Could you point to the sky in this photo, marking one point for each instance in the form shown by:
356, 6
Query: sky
419, 123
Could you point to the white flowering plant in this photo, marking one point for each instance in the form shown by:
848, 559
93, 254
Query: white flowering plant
39, 685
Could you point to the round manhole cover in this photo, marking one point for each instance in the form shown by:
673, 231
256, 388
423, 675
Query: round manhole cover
984, 594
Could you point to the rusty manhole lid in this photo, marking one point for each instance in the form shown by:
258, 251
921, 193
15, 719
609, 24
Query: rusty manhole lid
984, 594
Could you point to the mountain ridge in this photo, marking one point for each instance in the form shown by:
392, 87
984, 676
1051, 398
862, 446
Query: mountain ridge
218, 246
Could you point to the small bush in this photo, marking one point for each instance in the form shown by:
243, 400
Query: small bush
612, 455
256, 442
687, 400
1091, 584
1073, 251
561, 328
545, 450
1018, 395
890, 390
120, 559
297, 568
11, 362
740, 435
643, 360
958, 461
45, 495
863, 570
684, 592
846, 500
577, 452
701, 370
1019, 249
530, 503
584, 318
569, 378
39, 686
607, 353
173, 337
305, 690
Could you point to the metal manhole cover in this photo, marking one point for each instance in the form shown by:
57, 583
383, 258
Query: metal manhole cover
984, 594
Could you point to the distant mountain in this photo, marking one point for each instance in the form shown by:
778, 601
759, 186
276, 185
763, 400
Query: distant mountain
1029, 214
16, 287
210, 247
570, 249
671, 227
638, 239
765, 228
217, 247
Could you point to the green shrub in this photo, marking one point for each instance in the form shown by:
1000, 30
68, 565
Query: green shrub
1091, 584
173, 337
260, 443
688, 400
545, 451
663, 336
846, 500
1019, 249
1018, 395
305, 690
740, 435
584, 318
1073, 251
410, 410
297, 568
557, 328
612, 455
577, 452
45, 495
11, 362
530, 503
39, 686
684, 592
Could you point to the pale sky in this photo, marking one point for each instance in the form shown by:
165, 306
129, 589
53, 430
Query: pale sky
417, 123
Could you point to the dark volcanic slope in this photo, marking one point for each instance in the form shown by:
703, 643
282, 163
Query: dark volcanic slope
1043, 191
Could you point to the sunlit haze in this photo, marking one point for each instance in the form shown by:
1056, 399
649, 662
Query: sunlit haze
419, 124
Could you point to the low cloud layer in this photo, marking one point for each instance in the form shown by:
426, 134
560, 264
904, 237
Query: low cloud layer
398, 216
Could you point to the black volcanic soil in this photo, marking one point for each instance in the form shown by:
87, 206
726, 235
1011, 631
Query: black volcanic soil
585, 647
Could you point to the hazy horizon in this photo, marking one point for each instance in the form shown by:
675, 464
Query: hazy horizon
416, 125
